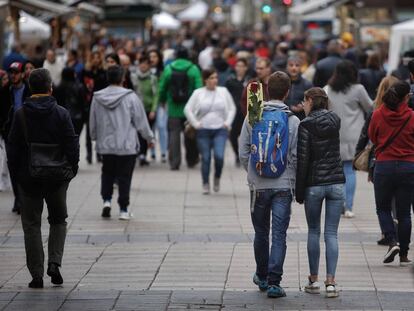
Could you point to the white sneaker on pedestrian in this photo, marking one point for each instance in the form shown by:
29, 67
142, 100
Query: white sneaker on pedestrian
124, 216
349, 214
331, 291
206, 189
216, 185
313, 287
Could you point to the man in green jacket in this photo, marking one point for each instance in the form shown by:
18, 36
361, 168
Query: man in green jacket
176, 85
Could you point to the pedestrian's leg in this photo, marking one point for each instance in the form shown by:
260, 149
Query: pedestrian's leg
143, 147
125, 169
219, 144
384, 192
403, 207
235, 133
88, 143
281, 207
162, 131
57, 208
174, 143
313, 207
32, 207
350, 185
205, 144
333, 208
152, 126
108, 176
261, 224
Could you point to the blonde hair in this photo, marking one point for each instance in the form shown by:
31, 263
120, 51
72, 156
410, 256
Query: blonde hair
384, 86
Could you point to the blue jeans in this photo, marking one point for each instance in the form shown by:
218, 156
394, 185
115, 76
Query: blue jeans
277, 203
350, 185
208, 140
161, 124
334, 202
395, 179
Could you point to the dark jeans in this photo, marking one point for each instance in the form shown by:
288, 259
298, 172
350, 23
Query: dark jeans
32, 196
78, 126
395, 179
88, 143
175, 128
235, 133
208, 140
277, 203
143, 144
119, 168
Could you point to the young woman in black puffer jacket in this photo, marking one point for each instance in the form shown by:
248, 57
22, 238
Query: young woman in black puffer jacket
320, 177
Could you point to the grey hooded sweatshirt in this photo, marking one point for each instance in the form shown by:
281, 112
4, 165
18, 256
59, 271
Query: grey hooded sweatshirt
288, 178
116, 117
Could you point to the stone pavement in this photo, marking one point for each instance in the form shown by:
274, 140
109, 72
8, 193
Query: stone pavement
186, 251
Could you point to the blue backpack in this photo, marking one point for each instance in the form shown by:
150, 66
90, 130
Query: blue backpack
270, 143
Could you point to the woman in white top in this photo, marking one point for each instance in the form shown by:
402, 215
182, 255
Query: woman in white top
211, 111
351, 102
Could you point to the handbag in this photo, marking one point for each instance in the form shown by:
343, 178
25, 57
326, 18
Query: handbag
362, 161
46, 162
365, 161
189, 131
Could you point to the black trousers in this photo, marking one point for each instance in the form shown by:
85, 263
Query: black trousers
143, 144
32, 196
235, 133
119, 168
175, 128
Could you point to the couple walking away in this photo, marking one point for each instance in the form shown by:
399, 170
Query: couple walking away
281, 153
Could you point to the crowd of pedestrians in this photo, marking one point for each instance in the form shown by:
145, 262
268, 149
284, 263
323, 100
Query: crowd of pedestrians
311, 110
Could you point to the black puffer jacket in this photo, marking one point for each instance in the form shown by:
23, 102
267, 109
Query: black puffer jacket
319, 160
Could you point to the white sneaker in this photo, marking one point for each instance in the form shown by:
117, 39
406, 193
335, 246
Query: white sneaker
124, 216
313, 287
206, 189
216, 186
331, 291
349, 214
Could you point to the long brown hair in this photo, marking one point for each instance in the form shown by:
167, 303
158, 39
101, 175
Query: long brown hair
385, 84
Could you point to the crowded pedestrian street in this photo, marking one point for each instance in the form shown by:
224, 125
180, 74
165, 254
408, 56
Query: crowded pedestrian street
186, 251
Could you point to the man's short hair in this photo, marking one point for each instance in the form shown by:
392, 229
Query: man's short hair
40, 81
264, 60
115, 74
278, 85
411, 66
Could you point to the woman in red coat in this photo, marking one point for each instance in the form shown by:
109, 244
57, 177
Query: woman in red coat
392, 132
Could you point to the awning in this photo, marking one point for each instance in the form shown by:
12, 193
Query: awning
90, 8
312, 6
325, 14
165, 20
194, 13
399, 32
37, 6
32, 27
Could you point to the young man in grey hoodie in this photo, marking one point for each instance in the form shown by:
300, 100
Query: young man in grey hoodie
117, 116
271, 198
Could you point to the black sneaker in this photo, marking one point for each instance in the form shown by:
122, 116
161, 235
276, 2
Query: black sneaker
36, 283
384, 242
106, 212
143, 162
393, 250
54, 273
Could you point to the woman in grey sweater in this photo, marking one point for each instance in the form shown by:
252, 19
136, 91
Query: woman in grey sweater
351, 102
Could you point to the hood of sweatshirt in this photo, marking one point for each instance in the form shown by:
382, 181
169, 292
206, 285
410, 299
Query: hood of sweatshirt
111, 96
181, 64
323, 123
277, 104
395, 118
41, 105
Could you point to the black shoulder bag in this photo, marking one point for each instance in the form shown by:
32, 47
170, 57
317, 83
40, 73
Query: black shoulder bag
46, 162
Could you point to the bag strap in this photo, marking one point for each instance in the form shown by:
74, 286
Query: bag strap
392, 138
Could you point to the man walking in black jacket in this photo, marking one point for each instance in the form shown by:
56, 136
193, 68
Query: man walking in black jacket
42, 120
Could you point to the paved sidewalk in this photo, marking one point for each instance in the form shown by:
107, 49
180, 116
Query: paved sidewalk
186, 251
